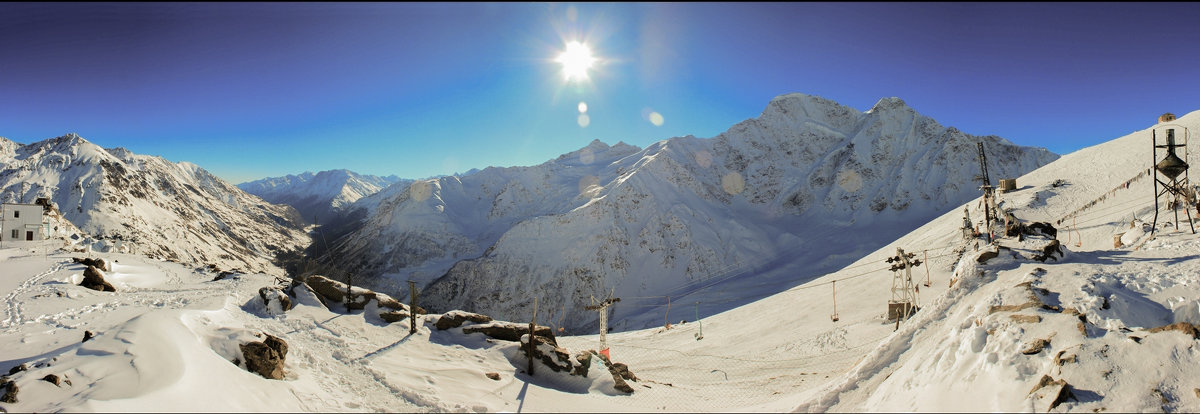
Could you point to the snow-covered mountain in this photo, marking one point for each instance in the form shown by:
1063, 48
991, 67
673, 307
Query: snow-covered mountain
755, 205
175, 211
318, 197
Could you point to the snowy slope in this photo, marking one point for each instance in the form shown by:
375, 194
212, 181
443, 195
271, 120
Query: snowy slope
318, 196
168, 331
761, 199
167, 210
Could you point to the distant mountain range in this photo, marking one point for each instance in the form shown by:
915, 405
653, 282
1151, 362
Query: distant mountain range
319, 196
172, 211
803, 189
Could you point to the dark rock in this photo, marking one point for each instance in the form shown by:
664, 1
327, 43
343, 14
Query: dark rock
17, 369
88, 335
583, 363
53, 379
269, 294
618, 374
988, 255
623, 370
97, 263
329, 289
93, 279
226, 274
558, 360
495, 376
10, 392
509, 331
266, 358
454, 319
393, 316
1049, 250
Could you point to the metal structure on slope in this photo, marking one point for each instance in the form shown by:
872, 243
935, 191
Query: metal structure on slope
1171, 171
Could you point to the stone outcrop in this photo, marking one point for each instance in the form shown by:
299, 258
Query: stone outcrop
266, 358
1185, 327
456, 318
274, 300
93, 279
509, 331
98, 263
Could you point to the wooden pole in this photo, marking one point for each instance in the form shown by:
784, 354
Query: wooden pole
412, 307
532, 325
667, 317
835, 315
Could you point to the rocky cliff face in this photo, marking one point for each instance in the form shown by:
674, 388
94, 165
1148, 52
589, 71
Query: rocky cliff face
175, 211
805, 188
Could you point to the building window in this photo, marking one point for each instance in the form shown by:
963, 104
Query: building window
16, 213
16, 234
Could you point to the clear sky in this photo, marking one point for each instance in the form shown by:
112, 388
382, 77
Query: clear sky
249, 90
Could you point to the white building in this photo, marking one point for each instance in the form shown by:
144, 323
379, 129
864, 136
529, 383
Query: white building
22, 222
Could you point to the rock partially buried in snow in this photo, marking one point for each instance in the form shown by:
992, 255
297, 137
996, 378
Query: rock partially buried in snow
1048, 393
456, 318
1185, 327
266, 358
93, 279
274, 300
98, 263
10, 391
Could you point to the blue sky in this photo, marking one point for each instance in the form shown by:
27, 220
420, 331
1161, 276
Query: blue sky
249, 90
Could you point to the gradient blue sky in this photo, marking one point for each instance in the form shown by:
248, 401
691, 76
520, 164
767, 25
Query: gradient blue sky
250, 90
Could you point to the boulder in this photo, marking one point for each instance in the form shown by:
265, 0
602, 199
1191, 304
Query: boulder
10, 391
1048, 393
509, 331
93, 279
557, 359
88, 335
1049, 250
274, 300
98, 263
393, 316
619, 375
1037, 346
266, 358
53, 379
17, 369
494, 376
456, 318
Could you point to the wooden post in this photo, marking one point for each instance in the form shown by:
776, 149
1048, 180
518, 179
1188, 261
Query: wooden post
667, 316
532, 325
412, 307
835, 315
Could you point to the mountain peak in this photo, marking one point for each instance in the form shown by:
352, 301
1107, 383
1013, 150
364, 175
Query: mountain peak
889, 104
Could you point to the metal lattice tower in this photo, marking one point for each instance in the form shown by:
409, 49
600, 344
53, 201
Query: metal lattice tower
904, 295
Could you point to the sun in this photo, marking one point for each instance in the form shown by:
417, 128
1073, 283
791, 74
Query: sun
576, 60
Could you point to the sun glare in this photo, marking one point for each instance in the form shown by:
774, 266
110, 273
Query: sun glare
576, 60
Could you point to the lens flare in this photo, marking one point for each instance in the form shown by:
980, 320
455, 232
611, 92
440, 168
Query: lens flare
582, 107
576, 60
656, 119
584, 120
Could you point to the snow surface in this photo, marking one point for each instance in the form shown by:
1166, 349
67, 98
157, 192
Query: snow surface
166, 335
